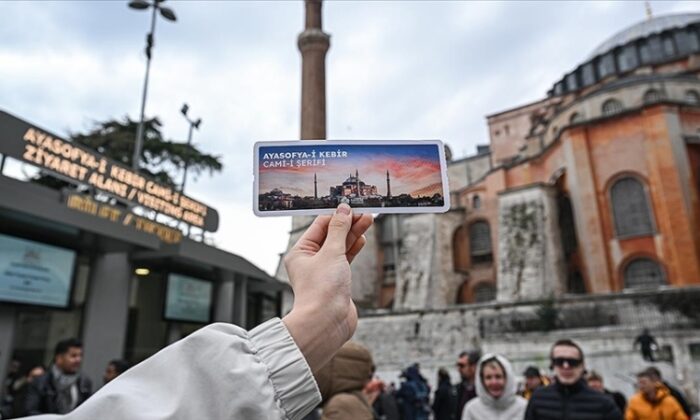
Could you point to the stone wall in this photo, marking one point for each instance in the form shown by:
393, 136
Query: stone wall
531, 263
604, 325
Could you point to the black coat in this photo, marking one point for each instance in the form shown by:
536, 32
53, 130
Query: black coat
445, 402
571, 402
41, 394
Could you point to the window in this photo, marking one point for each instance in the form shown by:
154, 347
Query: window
480, 242
575, 284
644, 52
630, 208
612, 107
484, 292
606, 65
655, 49
652, 96
692, 97
575, 118
460, 253
643, 273
476, 202
683, 41
669, 47
693, 41
588, 74
627, 58
572, 82
506, 128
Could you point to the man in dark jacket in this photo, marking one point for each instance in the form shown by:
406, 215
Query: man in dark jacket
62, 388
443, 408
595, 382
466, 390
569, 398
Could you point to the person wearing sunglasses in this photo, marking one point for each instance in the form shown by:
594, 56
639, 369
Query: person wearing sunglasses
569, 397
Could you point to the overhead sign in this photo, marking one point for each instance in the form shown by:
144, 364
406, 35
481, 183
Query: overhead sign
79, 164
87, 205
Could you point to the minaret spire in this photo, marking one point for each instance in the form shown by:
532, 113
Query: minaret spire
315, 187
388, 185
313, 44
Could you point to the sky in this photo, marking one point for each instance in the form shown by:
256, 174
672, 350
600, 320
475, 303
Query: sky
411, 167
395, 70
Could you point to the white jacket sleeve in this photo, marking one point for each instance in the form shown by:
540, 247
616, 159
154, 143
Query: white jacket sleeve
218, 372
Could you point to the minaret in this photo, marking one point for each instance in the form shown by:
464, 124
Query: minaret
388, 185
315, 187
357, 180
313, 44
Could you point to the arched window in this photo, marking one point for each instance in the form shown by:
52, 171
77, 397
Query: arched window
575, 118
643, 273
476, 202
484, 292
692, 97
575, 284
651, 96
630, 208
460, 253
480, 242
612, 107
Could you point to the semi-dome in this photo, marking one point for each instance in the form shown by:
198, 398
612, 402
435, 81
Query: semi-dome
644, 29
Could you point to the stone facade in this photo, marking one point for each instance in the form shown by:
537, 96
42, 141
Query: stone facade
530, 253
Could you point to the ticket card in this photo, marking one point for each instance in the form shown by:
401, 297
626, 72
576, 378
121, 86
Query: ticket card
372, 176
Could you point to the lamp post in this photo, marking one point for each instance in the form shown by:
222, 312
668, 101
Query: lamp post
168, 14
193, 124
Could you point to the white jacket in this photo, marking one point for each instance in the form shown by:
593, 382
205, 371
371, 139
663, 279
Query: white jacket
484, 407
218, 372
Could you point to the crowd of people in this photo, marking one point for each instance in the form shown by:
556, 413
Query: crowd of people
284, 368
58, 389
491, 390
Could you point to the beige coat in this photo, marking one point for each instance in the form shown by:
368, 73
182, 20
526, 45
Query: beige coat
341, 382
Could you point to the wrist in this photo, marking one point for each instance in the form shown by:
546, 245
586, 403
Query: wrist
316, 332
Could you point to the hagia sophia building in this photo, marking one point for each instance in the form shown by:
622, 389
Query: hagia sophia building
592, 189
579, 219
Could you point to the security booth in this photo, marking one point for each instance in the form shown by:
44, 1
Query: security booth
108, 259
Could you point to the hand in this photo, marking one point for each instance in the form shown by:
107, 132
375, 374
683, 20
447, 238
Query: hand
324, 316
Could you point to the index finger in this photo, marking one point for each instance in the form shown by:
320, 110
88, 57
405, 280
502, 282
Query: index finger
315, 234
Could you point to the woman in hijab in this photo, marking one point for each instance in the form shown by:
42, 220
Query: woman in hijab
495, 390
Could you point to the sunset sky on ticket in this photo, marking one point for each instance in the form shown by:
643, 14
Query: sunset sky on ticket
412, 168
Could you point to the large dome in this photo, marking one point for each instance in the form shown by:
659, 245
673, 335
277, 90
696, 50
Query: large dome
646, 28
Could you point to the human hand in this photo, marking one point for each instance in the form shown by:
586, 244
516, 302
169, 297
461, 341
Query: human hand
324, 316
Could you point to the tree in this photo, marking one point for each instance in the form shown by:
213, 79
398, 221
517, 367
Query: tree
161, 159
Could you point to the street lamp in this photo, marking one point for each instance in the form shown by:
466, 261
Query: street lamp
168, 14
193, 124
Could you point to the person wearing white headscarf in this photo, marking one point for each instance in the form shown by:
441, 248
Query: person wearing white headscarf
496, 392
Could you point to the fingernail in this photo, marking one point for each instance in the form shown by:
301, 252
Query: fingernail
343, 209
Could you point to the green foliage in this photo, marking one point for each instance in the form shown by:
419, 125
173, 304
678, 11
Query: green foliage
161, 159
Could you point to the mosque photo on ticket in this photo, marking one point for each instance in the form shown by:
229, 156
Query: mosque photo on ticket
379, 175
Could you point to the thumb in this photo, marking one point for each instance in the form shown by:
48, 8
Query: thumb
338, 229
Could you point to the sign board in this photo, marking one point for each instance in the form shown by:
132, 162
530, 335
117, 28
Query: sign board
81, 165
188, 299
35, 273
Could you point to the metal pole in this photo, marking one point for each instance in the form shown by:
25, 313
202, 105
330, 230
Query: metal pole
139, 132
187, 161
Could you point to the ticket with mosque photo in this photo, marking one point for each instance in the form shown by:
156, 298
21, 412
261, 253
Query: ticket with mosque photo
311, 177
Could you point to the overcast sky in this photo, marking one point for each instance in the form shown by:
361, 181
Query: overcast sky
395, 70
